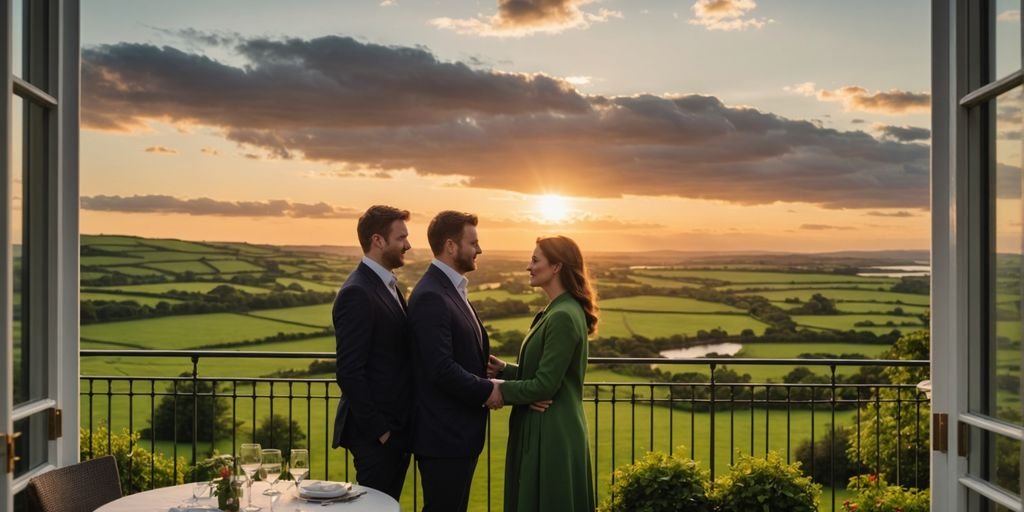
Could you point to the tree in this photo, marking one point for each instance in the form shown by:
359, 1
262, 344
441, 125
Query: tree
278, 432
895, 426
173, 415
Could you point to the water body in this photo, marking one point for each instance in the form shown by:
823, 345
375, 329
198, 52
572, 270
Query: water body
703, 350
898, 271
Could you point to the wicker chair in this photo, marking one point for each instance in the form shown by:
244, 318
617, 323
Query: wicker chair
81, 487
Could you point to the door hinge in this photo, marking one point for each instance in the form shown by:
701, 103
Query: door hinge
9, 445
56, 429
940, 432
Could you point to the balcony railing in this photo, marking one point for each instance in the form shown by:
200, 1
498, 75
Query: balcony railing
714, 419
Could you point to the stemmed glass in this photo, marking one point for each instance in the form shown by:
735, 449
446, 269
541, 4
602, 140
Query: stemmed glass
250, 458
272, 469
298, 465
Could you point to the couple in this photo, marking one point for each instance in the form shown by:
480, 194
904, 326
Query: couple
418, 378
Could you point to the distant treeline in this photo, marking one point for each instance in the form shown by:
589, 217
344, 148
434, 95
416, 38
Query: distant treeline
222, 299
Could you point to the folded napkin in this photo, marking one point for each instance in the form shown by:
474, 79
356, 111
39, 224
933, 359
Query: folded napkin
317, 486
192, 508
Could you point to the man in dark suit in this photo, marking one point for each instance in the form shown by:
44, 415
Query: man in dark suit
374, 361
450, 351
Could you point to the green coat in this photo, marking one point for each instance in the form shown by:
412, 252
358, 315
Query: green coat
547, 466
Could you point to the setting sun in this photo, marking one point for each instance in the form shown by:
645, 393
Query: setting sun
553, 208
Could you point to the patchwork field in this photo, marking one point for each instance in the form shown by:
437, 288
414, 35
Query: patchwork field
188, 331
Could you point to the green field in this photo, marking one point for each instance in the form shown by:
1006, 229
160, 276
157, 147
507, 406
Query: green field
177, 245
874, 286
846, 322
666, 304
872, 307
137, 271
319, 315
110, 240
181, 332
650, 325
662, 283
99, 261
500, 294
734, 276
308, 285
225, 266
160, 256
181, 287
180, 267
117, 297
846, 295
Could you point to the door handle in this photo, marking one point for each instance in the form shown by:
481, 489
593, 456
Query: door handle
12, 457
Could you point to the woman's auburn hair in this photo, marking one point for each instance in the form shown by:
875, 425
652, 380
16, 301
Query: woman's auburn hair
574, 274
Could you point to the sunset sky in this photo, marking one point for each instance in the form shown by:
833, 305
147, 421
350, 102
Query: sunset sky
787, 125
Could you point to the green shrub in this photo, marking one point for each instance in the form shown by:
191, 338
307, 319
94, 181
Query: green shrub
659, 482
754, 484
139, 469
875, 495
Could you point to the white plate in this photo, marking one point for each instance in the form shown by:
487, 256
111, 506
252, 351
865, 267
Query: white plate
322, 489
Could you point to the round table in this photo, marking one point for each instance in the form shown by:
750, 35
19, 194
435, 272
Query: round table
161, 500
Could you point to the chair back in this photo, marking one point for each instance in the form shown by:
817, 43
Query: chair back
82, 487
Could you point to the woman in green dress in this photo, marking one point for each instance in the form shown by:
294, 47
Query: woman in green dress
547, 466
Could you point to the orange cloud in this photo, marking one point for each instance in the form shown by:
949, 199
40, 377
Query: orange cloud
726, 15
857, 98
517, 18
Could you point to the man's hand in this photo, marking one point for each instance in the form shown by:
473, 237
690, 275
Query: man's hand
494, 366
495, 401
384, 438
541, 405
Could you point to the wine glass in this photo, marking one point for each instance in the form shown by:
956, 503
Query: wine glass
298, 465
250, 458
271, 469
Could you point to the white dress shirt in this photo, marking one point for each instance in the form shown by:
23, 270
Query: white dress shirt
390, 281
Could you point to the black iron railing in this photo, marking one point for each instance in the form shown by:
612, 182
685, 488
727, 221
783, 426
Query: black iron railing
626, 418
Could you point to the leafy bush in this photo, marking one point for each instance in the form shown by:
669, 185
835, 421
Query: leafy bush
765, 484
173, 416
820, 466
659, 482
875, 495
139, 469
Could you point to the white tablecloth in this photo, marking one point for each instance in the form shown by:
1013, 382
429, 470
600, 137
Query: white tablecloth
161, 500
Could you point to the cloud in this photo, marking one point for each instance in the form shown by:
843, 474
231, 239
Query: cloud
726, 15
518, 18
161, 150
904, 133
396, 108
164, 204
857, 98
578, 80
825, 227
899, 214
209, 151
1011, 15
857, 121
388, 3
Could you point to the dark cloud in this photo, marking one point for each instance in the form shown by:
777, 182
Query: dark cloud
858, 121
516, 18
1008, 184
161, 150
209, 151
904, 133
206, 206
390, 108
899, 214
824, 227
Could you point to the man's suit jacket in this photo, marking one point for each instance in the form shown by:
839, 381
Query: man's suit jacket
374, 360
450, 350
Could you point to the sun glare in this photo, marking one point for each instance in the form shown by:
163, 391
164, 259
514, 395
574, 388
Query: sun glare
553, 208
